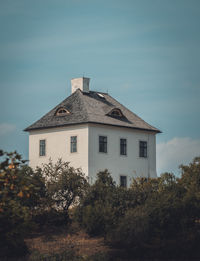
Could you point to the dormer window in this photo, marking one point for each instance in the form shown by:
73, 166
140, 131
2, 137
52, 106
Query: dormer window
116, 113
62, 112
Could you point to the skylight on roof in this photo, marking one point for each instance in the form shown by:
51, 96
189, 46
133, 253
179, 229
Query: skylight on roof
101, 95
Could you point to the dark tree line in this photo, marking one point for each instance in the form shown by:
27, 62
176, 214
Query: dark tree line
157, 217
153, 218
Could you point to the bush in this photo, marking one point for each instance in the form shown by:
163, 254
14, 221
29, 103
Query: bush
50, 218
155, 217
164, 225
20, 191
132, 231
95, 212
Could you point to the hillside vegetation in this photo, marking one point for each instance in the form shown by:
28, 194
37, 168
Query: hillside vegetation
154, 218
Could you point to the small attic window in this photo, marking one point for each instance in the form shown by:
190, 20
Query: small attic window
62, 112
116, 113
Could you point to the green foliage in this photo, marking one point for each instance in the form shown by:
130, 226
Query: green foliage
130, 230
20, 192
158, 217
165, 221
65, 185
49, 219
95, 211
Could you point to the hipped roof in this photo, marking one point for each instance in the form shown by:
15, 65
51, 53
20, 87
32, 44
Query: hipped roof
91, 108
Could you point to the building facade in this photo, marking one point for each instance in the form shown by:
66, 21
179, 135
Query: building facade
93, 131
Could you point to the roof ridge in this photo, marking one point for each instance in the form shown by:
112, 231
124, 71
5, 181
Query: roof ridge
54, 108
80, 93
99, 92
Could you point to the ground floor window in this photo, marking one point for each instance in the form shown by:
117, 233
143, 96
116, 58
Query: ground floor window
73, 144
143, 149
123, 181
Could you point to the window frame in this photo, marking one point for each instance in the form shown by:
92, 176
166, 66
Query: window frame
72, 143
63, 113
143, 150
120, 147
120, 181
116, 113
42, 150
105, 143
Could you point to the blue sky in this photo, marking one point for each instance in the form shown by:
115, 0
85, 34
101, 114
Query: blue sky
144, 53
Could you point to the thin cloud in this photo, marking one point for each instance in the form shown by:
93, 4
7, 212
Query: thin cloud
175, 152
6, 128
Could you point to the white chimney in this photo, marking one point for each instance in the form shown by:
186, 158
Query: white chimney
80, 83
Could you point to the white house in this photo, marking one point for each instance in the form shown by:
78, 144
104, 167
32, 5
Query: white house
93, 131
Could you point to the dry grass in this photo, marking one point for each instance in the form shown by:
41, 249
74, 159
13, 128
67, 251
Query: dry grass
58, 241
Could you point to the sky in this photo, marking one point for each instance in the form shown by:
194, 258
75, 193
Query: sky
146, 54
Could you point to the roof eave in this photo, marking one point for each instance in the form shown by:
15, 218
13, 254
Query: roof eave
71, 124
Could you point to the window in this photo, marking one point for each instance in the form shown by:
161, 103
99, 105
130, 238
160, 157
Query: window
42, 147
123, 147
73, 144
143, 149
62, 112
116, 113
103, 144
123, 181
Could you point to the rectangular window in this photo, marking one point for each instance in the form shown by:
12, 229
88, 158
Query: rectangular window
123, 181
103, 144
143, 149
123, 146
42, 147
73, 144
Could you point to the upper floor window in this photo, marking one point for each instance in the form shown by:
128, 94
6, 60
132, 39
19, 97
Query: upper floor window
123, 147
73, 144
143, 149
62, 112
42, 148
123, 181
103, 144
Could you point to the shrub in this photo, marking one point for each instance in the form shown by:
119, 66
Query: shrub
50, 218
20, 190
132, 231
163, 225
95, 211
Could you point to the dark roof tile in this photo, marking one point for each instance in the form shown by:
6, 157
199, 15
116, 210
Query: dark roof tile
90, 108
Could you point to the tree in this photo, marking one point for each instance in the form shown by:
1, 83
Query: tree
65, 185
95, 212
165, 218
20, 192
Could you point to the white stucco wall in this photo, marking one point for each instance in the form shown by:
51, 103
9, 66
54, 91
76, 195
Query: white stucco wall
88, 156
131, 165
58, 146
